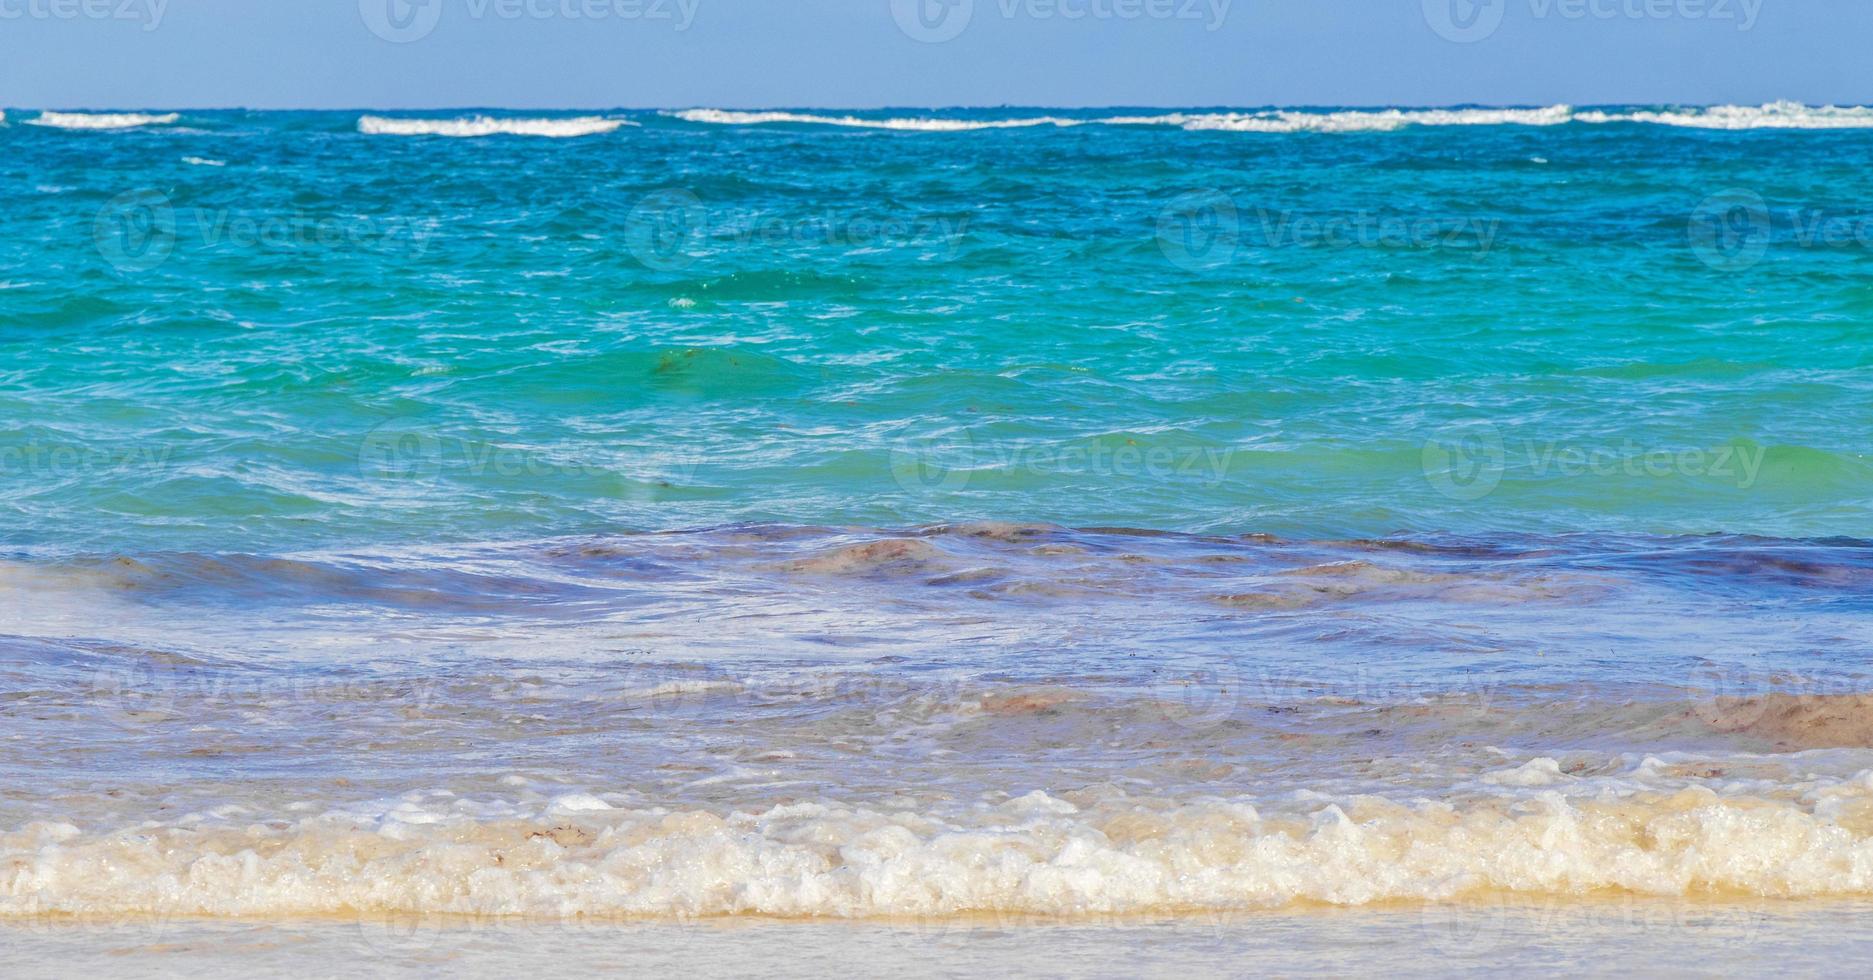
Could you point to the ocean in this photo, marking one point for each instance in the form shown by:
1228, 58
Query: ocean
1049, 540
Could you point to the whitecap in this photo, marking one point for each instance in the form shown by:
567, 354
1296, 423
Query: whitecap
102, 120
1775, 115
1383, 120
727, 117
474, 126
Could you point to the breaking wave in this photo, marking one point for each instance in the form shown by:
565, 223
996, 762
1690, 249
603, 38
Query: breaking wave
490, 126
102, 120
1777, 115
727, 117
1070, 854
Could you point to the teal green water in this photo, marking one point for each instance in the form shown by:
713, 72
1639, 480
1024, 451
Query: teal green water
267, 331
1182, 515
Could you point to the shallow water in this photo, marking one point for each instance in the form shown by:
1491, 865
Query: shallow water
1653, 936
1084, 530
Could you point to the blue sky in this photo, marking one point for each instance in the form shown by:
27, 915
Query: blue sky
861, 53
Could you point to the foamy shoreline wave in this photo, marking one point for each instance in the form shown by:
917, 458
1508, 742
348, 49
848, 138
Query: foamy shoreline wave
1776, 115
475, 126
577, 855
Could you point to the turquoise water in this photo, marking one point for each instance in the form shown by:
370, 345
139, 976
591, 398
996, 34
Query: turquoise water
340, 338
923, 515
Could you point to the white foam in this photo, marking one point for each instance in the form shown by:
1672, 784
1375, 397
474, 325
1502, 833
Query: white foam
1777, 115
1278, 121
579, 803
1535, 772
1380, 121
1040, 854
1774, 115
726, 117
203, 162
474, 126
102, 120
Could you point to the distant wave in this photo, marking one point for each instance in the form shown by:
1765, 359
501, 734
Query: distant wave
102, 120
727, 117
490, 126
1356, 121
1776, 115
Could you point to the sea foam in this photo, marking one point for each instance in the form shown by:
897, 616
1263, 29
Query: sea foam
1774, 115
102, 120
1777, 115
1037, 853
490, 126
726, 117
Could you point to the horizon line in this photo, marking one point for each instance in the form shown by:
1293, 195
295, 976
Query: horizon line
1279, 107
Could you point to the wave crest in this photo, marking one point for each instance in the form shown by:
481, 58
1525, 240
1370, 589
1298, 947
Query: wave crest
727, 117
1775, 115
102, 120
476, 126
578, 854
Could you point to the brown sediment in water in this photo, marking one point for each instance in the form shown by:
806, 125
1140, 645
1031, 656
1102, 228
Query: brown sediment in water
1027, 702
888, 555
1795, 721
